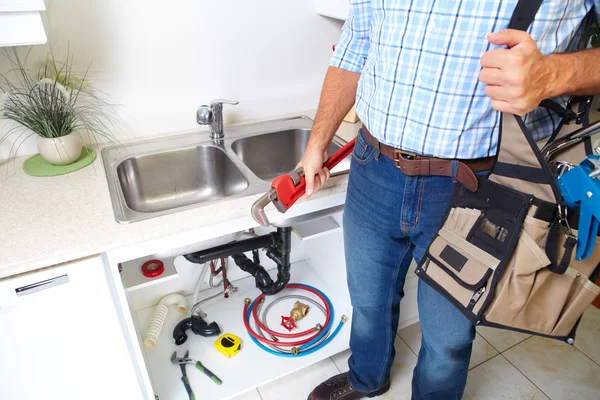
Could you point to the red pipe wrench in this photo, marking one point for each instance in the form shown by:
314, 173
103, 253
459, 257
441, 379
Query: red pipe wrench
288, 188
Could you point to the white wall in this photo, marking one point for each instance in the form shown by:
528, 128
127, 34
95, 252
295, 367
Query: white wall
162, 59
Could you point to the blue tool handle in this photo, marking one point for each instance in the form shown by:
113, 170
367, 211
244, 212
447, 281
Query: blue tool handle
593, 236
188, 388
587, 233
582, 190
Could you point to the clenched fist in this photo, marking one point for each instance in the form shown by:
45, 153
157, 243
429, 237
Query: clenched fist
314, 171
517, 78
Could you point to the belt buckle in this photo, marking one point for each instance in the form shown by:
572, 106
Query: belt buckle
401, 154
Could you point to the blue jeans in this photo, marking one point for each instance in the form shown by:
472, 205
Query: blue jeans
390, 218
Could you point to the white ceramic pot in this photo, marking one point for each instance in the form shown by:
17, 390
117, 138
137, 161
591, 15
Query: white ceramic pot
60, 151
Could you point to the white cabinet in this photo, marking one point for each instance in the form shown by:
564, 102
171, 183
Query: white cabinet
63, 336
318, 260
73, 332
21, 22
22, 5
338, 9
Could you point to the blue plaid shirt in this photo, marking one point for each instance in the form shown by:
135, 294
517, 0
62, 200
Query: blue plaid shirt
419, 65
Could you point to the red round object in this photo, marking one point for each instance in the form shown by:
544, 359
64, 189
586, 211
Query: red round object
291, 335
284, 335
153, 268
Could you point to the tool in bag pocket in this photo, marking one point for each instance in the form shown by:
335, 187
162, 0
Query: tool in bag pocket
504, 255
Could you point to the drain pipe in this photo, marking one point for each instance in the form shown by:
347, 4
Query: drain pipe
226, 250
278, 244
280, 254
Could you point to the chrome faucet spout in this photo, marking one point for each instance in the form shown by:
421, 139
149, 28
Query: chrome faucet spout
212, 115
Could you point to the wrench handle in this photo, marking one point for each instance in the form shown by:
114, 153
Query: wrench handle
288, 193
339, 155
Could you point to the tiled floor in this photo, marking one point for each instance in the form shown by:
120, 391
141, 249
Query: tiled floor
504, 365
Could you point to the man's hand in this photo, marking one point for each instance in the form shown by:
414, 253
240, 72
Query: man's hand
337, 98
517, 78
316, 175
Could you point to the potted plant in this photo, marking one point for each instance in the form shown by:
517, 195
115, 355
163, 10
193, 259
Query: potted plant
53, 103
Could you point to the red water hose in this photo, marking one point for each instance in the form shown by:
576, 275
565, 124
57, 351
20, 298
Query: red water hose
286, 335
291, 335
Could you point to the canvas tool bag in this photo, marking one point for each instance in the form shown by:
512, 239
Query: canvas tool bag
504, 254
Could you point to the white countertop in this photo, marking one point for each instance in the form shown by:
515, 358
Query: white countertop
46, 221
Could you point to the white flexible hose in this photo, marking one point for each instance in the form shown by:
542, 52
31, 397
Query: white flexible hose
160, 315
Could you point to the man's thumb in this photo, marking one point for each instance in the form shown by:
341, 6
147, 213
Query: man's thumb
507, 37
310, 182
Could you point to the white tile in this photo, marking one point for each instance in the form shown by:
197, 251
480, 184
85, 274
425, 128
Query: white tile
298, 385
498, 379
341, 360
501, 339
587, 338
409, 310
249, 395
401, 374
482, 350
412, 336
411, 269
559, 370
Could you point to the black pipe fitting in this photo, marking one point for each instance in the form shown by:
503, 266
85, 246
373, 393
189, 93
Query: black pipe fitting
262, 277
255, 256
278, 246
273, 255
198, 325
229, 249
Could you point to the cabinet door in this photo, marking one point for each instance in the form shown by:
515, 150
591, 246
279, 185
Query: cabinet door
333, 8
22, 5
21, 22
62, 336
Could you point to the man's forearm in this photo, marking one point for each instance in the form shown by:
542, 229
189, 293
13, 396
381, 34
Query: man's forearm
337, 97
576, 73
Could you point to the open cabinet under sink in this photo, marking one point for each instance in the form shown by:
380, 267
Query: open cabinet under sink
317, 259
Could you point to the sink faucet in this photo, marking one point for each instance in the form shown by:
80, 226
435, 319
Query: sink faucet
212, 115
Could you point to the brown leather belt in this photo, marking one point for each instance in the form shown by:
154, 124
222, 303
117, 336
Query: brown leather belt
415, 165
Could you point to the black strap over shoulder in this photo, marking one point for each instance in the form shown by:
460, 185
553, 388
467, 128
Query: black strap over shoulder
524, 14
520, 160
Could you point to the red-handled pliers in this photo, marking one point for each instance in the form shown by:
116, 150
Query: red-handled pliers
288, 188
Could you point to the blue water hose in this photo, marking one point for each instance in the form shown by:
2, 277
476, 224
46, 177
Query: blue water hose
305, 349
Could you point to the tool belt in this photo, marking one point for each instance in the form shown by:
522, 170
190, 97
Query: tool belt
414, 165
504, 254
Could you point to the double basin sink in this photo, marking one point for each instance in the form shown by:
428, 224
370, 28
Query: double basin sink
151, 178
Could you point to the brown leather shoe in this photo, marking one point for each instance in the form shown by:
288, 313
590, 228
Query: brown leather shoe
338, 388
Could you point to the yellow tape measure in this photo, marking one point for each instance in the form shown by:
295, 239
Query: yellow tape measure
228, 345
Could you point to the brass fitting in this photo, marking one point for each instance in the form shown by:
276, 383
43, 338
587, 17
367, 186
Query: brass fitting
247, 301
295, 351
299, 311
344, 318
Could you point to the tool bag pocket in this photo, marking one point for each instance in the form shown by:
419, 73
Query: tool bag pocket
532, 298
460, 269
474, 245
461, 220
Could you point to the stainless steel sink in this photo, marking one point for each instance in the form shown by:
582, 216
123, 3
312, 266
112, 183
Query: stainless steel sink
156, 177
150, 183
284, 149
